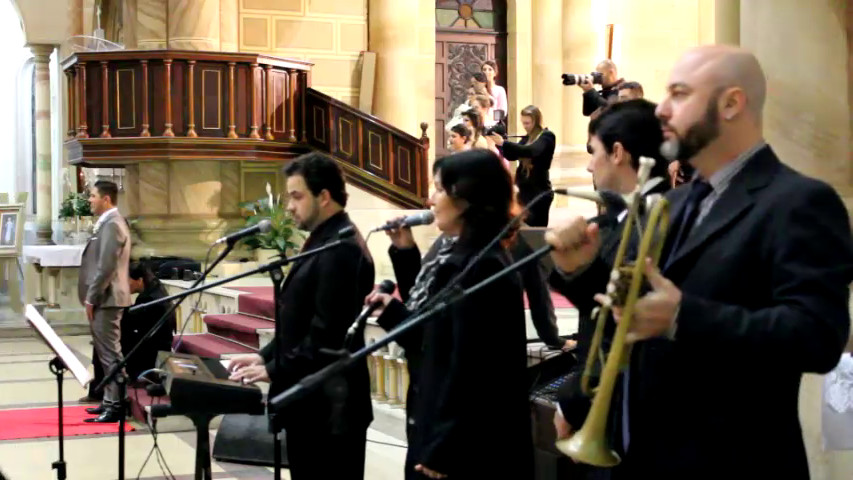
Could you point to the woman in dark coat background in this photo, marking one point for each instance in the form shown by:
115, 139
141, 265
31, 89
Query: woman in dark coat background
134, 325
467, 403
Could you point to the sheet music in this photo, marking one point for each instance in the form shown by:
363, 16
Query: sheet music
80, 372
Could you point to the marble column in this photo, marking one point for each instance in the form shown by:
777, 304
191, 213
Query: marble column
727, 22
580, 40
193, 25
150, 20
390, 34
41, 54
547, 47
229, 24
520, 57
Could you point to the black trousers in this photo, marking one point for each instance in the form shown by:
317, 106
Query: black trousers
321, 455
538, 214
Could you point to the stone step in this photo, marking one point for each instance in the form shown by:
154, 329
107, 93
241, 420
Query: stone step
238, 327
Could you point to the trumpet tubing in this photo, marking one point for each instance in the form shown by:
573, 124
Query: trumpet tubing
590, 444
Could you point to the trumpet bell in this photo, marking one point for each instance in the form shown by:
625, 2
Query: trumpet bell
590, 451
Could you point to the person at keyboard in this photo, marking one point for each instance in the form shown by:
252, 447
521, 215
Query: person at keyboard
479, 342
326, 430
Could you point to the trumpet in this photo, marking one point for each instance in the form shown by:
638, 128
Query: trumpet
590, 444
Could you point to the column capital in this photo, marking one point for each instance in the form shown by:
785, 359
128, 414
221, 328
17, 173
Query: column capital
41, 51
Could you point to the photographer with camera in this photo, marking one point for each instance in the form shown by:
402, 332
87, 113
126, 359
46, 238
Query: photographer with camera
534, 153
604, 75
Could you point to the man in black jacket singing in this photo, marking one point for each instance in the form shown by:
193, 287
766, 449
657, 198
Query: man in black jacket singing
320, 298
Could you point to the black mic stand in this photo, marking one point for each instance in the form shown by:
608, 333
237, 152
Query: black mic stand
277, 277
117, 372
58, 369
315, 380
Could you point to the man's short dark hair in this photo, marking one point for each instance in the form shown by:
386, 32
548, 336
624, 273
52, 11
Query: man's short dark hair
479, 76
107, 188
631, 86
320, 173
633, 124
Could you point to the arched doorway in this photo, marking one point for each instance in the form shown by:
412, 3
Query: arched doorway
467, 33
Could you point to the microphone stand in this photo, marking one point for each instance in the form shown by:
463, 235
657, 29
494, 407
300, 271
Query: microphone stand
315, 380
117, 372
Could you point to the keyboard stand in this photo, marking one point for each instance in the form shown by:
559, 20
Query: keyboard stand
201, 421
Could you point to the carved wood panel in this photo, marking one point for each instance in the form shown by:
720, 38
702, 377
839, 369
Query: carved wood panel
125, 95
376, 151
346, 127
211, 112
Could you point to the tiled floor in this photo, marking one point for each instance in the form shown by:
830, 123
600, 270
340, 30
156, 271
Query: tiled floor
25, 382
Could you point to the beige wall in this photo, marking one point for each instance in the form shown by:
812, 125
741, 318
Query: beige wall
807, 121
330, 33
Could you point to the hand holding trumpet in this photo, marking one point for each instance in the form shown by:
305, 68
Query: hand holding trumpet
654, 312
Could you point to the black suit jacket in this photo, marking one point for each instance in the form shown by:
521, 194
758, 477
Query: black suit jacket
320, 298
474, 346
765, 285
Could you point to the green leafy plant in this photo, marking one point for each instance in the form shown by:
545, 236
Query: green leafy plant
75, 205
284, 236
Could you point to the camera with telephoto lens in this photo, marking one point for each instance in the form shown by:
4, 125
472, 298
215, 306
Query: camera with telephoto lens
498, 128
574, 79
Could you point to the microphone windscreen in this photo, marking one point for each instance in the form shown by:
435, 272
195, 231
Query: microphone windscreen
387, 286
265, 226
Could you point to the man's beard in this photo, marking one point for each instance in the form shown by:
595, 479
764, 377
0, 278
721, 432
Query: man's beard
698, 136
309, 223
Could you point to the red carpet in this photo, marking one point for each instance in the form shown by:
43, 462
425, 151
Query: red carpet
42, 422
258, 301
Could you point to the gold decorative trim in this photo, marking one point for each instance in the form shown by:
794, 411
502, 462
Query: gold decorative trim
341, 137
218, 100
408, 179
370, 150
132, 98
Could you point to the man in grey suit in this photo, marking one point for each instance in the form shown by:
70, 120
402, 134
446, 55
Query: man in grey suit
104, 290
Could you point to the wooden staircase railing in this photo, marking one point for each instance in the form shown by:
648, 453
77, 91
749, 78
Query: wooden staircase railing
378, 157
128, 107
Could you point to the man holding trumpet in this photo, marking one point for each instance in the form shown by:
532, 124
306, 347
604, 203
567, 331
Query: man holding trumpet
751, 290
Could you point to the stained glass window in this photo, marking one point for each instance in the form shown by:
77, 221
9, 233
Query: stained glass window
466, 14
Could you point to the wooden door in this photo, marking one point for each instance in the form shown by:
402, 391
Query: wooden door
457, 56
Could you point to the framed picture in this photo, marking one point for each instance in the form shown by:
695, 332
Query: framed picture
11, 229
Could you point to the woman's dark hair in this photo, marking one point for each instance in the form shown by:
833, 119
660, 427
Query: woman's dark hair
462, 131
478, 178
476, 124
142, 270
633, 124
320, 173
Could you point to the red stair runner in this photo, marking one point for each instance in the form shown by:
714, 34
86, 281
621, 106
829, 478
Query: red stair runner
241, 328
211, 346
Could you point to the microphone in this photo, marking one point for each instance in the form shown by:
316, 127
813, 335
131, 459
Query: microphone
612, 201
387, 286
424, 217
264, 226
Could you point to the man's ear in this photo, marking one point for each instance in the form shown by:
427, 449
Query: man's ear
620, 155
324, 197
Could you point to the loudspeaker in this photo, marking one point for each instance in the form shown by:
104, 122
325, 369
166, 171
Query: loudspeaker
247, 439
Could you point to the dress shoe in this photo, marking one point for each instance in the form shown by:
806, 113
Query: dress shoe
88, 399
110, 415
96, 410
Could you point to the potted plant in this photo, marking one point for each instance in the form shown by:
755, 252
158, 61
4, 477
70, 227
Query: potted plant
75, 207
283, 238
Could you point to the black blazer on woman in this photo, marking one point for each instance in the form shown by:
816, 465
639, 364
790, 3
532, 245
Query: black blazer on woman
467, 402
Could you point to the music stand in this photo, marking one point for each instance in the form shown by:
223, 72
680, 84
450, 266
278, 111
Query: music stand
64, 360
